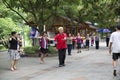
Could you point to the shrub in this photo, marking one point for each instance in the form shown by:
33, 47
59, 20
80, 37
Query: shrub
34, 50
52, 50
2, 47
31, 50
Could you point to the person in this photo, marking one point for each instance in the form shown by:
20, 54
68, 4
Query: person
92, 40
114, 47
87, 41
60, 39
107, 39
13, 52
79, 39
73, 41
69, 43
97, 41
20, 44
44, 47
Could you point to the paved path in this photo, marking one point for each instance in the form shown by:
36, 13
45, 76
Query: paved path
88, 65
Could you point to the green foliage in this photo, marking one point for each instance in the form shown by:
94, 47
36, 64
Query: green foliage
37, 11
6, 26
31, 50
2, 47
52, 50
34, 50
103, 12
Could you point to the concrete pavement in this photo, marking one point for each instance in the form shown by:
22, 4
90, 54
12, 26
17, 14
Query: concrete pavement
88, 65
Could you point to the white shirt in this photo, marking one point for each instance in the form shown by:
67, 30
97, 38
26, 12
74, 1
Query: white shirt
45, 46
115, 40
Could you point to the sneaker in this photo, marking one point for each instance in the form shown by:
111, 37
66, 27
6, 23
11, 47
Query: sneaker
115, 73
63, 65
60, 65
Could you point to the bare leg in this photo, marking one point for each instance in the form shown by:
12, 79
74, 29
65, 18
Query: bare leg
78, 50
12, 65
15, 63
42, 58
115, 63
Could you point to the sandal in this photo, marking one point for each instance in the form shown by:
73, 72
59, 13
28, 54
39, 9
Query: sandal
12, 69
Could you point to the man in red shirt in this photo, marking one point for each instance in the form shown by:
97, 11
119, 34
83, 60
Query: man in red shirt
61, 46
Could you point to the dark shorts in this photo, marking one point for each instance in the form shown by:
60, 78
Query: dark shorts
116, 56
44, 51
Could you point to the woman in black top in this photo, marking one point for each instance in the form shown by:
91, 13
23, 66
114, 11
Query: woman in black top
14, 55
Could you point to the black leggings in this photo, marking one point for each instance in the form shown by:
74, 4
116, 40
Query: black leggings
97, 44
62, 56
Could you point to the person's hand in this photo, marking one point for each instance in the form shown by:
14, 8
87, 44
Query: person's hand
10, 39
19, 40
56, 49
65, 38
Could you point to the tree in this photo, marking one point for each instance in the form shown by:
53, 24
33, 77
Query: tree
9, 21
39, 12
99, 11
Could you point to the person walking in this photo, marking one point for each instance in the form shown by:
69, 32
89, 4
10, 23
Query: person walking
107, 39
97, 41
20, 43
114, 48
69, 43
44, 47
87, 41
79, 41
73, 41
60, 38
92, 40
13, 52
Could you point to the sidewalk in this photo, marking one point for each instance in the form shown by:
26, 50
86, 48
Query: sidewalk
88, 65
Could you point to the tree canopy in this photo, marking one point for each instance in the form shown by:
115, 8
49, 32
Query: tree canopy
40, 12
8, 21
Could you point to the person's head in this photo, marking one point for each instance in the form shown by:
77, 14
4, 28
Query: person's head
60, 29
19, 35
14, 34
69, 35
78, 34
88, 35
118, 26
44, 34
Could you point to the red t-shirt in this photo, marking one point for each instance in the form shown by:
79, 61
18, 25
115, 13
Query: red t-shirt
61, 43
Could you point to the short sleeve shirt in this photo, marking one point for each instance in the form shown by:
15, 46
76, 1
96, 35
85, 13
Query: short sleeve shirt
61, 43
115, 40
